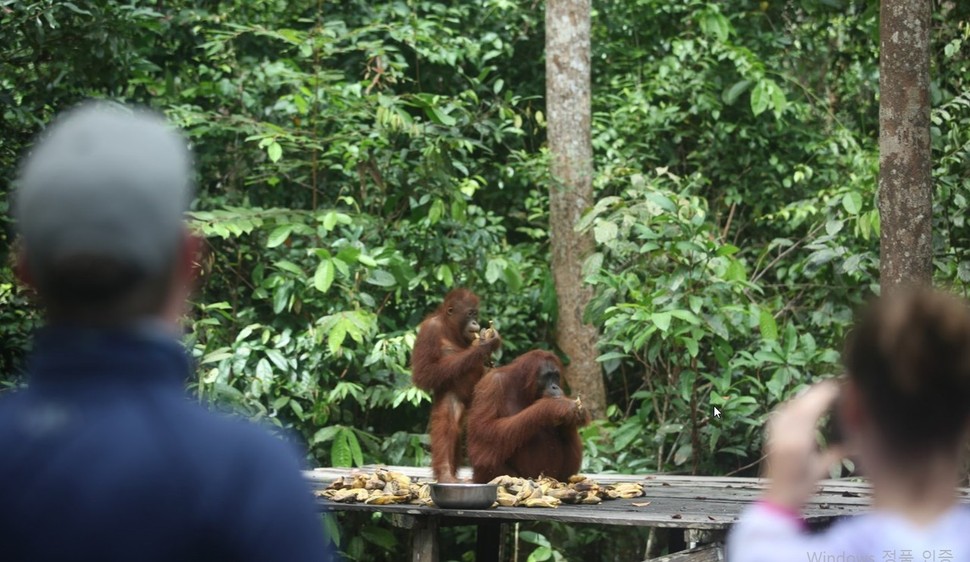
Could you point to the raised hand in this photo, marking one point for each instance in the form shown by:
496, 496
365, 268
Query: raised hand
565, 411
489, 339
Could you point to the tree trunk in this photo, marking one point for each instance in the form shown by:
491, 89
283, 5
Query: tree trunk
905, 173
571, 190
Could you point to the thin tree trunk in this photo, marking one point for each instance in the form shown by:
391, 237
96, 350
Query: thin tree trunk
905, 173
571, 191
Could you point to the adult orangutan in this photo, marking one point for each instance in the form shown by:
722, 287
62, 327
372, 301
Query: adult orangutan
522, 424
449, 357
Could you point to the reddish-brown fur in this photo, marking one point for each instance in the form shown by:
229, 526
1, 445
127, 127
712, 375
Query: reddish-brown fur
513, 429
447, 363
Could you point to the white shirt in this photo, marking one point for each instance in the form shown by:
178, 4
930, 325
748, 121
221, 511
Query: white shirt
766, 534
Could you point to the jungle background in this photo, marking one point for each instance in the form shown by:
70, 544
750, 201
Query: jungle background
357, 159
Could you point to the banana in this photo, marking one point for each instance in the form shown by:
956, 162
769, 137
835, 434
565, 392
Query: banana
542, 502
507, 500
526, 491
402, 480
337, 484
505, 481
591, 500
564, 494
385, 500
350, 495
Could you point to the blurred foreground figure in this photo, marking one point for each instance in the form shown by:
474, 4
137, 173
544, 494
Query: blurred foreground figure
103, 457
903, 411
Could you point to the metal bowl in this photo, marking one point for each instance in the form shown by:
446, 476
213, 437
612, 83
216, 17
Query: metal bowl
464, 496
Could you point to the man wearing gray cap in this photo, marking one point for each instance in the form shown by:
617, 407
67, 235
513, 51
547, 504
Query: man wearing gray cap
103, 457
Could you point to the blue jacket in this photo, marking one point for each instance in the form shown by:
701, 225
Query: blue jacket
104, 458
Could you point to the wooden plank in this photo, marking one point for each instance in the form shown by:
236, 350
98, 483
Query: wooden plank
699, 537
424, 541
708, 553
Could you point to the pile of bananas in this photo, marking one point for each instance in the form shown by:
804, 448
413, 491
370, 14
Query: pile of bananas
383, 487
549, 492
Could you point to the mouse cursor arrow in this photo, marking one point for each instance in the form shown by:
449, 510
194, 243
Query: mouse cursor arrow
717, 413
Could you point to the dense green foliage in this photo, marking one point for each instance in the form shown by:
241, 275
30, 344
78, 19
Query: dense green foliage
357, 159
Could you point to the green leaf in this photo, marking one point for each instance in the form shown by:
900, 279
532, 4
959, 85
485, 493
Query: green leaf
383, 538
662, 201
732, 94
759, 98
279, 235
281, 298
356, 454
683, 454
686, 316
735, 271
716, 25
274, 151
661, 320
439, 116
340, 454
331, 528
493, 270
277, 358
329, 221
778, 101
381, 278
445, 276
263, 371
342, 266
323, 278
290, 267
73, 7
324, 434
852, 203
769, 328
626, 434
952, 48
540, 554
367, 260
512, 276
336, 337
611, 355
605, 231
692, 347
437, 211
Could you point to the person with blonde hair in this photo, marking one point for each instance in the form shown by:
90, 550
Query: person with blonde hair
903, 409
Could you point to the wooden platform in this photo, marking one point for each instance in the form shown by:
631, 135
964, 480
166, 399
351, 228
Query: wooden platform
682, 502
700, 505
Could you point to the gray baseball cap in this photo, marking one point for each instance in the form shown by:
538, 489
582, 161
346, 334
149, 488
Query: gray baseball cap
105, 180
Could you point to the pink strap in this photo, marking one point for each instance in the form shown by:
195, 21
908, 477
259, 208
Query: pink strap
783, 511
